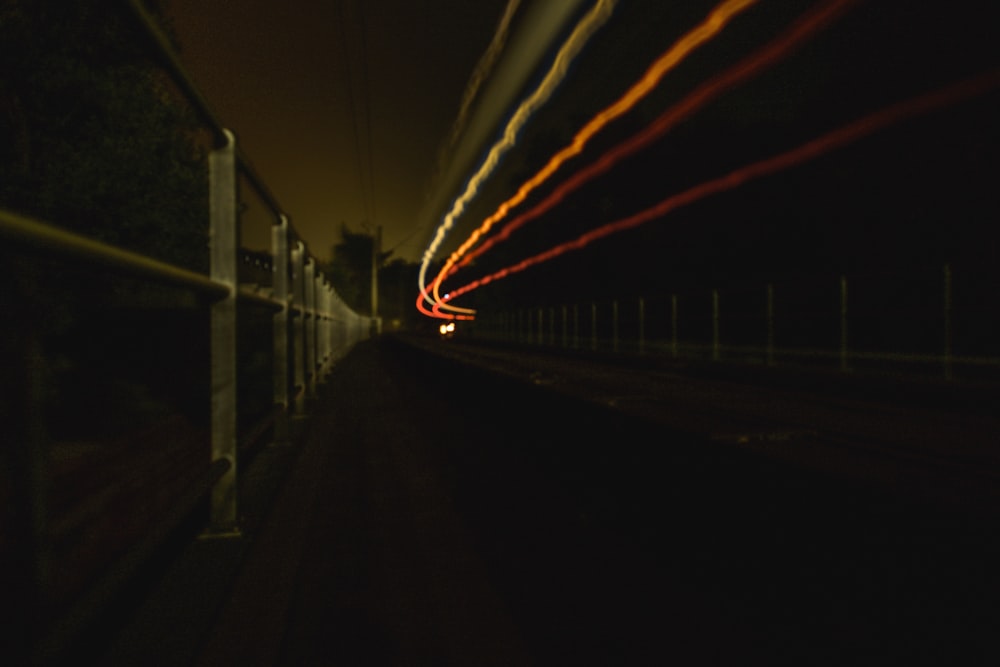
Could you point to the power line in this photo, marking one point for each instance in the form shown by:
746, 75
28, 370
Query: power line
352, 101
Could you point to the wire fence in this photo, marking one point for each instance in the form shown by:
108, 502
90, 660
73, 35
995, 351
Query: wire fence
918, 323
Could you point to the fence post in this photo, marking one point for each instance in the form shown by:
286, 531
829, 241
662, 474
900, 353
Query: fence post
331, 348
319, 324
614, 326
593, 326
309, 286
642, 325
299, 334
322, 326
565, 328
279, 281
769, 356
948, 371
673, 325
223, 234
843, 323
715, 325
576, 326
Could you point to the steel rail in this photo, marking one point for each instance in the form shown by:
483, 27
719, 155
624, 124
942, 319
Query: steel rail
47, 239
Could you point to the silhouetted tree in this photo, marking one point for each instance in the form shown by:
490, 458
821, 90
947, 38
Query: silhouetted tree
350, 269
398, 293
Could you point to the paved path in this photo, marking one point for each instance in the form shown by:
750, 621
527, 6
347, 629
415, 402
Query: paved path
437, 516
408, 534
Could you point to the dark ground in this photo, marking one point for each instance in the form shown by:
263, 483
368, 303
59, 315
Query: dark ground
438, 515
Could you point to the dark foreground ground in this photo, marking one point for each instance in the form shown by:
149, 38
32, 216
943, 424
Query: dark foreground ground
433, 514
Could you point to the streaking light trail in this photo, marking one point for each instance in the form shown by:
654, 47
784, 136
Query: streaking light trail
807, 25
668, 60
835, 139
774, 51
585, 29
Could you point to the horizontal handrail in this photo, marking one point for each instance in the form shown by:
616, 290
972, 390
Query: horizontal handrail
47, 239
572, 327
249, 296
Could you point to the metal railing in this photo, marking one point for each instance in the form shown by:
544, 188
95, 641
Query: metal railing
311, 328
831, 325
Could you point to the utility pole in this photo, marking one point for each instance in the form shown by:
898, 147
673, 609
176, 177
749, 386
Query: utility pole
376, 251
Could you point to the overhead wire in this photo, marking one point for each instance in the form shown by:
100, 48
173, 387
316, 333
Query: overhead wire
366, 195
367, 107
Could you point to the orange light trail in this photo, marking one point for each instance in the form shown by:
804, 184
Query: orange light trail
717, 19
835, 139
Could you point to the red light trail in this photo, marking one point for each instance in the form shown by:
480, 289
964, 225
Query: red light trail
838, 138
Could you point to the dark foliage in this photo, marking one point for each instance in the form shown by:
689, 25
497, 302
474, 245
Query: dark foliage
91, 137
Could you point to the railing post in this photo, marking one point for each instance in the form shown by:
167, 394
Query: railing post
552, 326
673, 325
593, 326
322, 356
715, 325
224, 242
642, 325
299, 332
614, 326
309, 278
948, 371
279, 281
328, 323
565, 328
769, 354
576, 326
342, 332
318, 324
843, 323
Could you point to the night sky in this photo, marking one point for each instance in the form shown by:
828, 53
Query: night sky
279, 72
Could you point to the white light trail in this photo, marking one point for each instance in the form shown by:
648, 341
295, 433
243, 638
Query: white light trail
585, 29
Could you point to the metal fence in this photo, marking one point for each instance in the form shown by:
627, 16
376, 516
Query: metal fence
297, 322
900, 323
